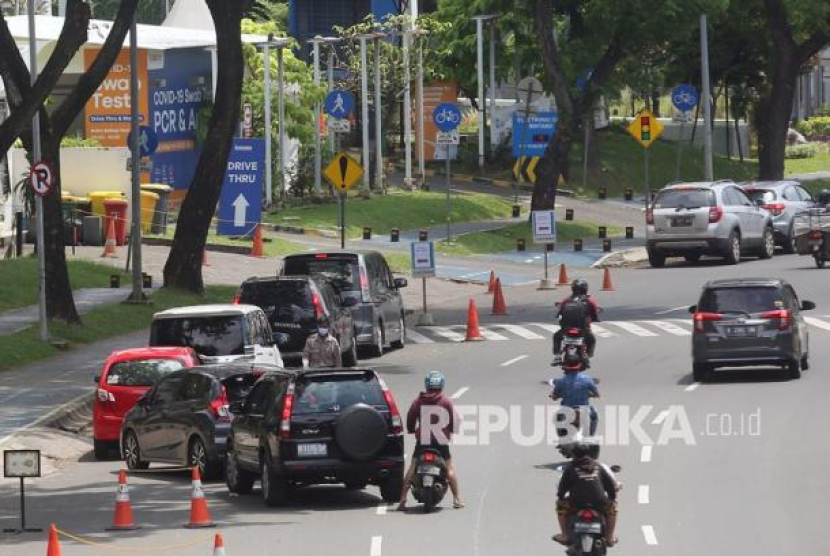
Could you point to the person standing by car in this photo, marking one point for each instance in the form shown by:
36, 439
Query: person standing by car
322, 349
430, 410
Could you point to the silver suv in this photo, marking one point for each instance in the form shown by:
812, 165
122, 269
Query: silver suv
707, 218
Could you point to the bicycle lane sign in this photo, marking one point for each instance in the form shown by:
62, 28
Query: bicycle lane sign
684, 97
446, 116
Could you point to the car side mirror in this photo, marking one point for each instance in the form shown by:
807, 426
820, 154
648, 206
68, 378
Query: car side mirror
693, 309
96, 379
807, 305
400, 283
237, 407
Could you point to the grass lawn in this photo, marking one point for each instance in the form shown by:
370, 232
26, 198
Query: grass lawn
818, 163
404, 210
504, 239
398, 262
276, 247
100, 323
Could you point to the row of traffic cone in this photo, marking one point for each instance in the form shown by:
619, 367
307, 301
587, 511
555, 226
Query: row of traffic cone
53, 547
607, 284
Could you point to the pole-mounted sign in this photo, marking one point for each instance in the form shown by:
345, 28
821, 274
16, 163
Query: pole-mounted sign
42, 178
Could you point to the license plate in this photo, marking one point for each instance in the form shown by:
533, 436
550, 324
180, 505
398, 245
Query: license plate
582, 527
573, 341
429, 470
429, 480
311, 450
681, 221
742, 331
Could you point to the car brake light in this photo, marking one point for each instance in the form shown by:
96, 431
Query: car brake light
650, 216
783, 316
700, 318
287, 408
318, 309
587, 515
429, 456
236, 298
715, 214
397, 422
219, 406
774, 208
321, 256
364, 285
105, 396
814, 234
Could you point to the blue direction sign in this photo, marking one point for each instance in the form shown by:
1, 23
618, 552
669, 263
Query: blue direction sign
240, 204
148, 141
684, 97
446, 116
339, 104
531, 138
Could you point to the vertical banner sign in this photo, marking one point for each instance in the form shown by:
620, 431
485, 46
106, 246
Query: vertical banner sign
240, 206
423, 259
107, 116
544, 226
435, 94
531, 137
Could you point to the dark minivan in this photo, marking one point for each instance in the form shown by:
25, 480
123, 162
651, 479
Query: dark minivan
365, 278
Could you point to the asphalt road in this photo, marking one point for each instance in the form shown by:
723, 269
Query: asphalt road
744, 474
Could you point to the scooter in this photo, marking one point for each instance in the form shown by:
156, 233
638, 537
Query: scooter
430, 482
587, 526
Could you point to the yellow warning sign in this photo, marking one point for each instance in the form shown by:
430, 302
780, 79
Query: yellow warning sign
343, 172
525, 169
645, 128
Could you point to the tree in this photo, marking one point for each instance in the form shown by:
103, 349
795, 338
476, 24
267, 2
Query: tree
53, 127
184, 263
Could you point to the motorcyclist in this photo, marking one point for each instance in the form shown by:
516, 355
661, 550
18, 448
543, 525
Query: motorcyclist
322, 349
823, 199
586, 484
429, 410
575, 390
578, 310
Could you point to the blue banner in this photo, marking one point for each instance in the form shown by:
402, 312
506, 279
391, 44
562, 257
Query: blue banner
532, 138
240, 204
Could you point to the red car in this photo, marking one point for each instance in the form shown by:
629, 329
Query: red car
127, 375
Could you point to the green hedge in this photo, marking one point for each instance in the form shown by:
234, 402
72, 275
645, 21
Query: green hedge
815, 126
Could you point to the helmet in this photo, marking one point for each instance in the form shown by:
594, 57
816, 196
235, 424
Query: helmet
823, 197
434, 381
579, 287
573, 362
580, 450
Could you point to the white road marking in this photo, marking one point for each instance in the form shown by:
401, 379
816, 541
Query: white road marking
817, 323
692, 387
667, 311
461, 392
417, 337
668, 327
632, 328
485, 332
376, 546
382, 508
514, 360
660, 417
602, 332
448, 333
642, 494
520, 331
649, 535
645, 454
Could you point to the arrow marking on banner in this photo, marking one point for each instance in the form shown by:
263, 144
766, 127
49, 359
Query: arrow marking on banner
240, 209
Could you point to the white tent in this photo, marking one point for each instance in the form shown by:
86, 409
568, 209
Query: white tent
189, 14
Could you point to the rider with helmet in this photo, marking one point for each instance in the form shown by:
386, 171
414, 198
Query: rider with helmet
433, 420
578, 310
575, 390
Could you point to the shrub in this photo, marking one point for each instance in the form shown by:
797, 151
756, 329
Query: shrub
815, 126
801, 151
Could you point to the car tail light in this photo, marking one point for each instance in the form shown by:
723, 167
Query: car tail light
364, 285
318, 309
775, 208
397, 422
219, 406
587, 515
429, 457
321, 256
783, 316
287, 408
105, 396
237, 296
814, 234
650, 216
715, 214
701, 318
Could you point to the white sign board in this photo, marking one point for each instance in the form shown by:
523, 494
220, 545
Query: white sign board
145, 165
446, 138
544, 226
21, 463
423, 259
683, 116
339, 125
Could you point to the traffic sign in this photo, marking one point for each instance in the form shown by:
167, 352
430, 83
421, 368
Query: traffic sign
148, 141
446, 116
240, 203
446, 138
423, 259
645, 128
41, 178
247, 120
529, 87
339, 125
343, 172
532, 134
145, 164
544, 226
684, 97
339, 103
525, 169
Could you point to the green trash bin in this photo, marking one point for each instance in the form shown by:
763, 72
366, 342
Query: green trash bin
72, 218
162, 206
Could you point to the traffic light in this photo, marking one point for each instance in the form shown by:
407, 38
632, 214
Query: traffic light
645, 128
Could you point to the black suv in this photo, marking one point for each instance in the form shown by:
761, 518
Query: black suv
293, 305
184, 419
317, 426
364, 278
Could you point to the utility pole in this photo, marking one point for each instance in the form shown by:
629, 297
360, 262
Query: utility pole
281, 115
493, 138
480, 79
135, 232
706, 100
266, 61
407, 105
379, 182
364, 108
420, 102
318, 154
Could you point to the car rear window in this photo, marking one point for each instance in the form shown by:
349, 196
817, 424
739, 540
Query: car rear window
281, 300
141, 372
210, 336
333, 394
741, 300
685, 198
764, 195
238, 386
342, 272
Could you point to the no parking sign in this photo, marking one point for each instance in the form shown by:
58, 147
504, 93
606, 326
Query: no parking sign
41, 178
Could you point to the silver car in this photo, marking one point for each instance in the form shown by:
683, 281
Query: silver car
783, 199
707, 218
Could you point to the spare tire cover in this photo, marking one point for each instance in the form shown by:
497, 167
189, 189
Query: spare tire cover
360, 432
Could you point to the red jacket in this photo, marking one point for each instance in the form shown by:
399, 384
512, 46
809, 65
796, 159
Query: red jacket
439, 409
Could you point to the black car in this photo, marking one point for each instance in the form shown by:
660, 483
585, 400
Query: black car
184, 419
293, 304
749, 321
364, 278
318, 426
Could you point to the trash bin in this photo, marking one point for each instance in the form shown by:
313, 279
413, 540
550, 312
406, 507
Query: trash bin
163, 205
92, 233
97, 199
149, 200
72, 219
116, 211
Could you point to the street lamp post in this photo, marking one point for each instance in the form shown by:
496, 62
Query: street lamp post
706, 100
480, 20
364, 106
266, 61
318, 155
379, 182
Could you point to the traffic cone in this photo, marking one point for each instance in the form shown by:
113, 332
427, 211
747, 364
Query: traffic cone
204, 258
499, 307
199, 515
256, 250
53, 548
607, 285
491, 286
473, 333
123, 518
218, 545
563, 275
109, 244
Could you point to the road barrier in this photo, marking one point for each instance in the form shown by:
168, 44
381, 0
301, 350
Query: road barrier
491, 285
569, 214
395, 235
256, 248
199, 514
629, 232
602, 193
423, 235
577, 245
563, 275
499, 306
607, 285
606, 245
367, 232
123, 518
473, 332
602, 232
520, 244
109, 244
629, 194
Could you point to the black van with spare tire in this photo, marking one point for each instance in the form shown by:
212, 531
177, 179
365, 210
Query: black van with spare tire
316, 426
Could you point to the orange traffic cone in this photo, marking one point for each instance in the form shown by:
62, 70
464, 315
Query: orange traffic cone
491, 286
607, 285
218, 545
256, 250
563, 275
204, 258
199, 515
123, 518
473, 333
109, 244
499, 307
53, 548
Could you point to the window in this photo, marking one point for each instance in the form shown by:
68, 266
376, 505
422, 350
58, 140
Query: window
804, 195
237, 386
258, 398
141, 372
168, 389
196, 387
741, 300
341, 271
334, 394
790, 193
686, 198
378, 282
742, 198
210, 336
792, 298
764, 195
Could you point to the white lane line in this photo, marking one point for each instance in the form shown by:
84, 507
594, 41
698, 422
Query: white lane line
382, 508
692, 387
632, 328
642, 494
448, 333
602, 332
649, 535
645, 454
417, 337
660, 417
461, 392
817, 323
485, 332
376, 546
667, 311
514, 360
668, 327
520, 331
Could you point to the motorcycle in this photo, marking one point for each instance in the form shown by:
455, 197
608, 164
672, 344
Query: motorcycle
574, 343
587, 526
430, 482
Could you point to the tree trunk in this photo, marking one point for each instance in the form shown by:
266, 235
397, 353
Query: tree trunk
776, 110
655, 103
184, 263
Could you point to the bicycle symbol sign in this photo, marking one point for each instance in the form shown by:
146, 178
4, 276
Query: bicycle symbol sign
446, 116
684, 97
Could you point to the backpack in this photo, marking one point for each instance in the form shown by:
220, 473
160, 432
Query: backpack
576, 313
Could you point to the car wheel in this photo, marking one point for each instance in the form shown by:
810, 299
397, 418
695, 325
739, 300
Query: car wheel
793, 369
378, 339
789, 242
356, 484
656, 259
819, 260
402, 342
692, 258
701, 372
102, 449
274, 487
768, 248
132, 452
391, 487
733, 252
238, 480
350, 357
197, 456
805, 362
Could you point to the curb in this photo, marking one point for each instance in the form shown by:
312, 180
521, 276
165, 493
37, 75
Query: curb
53, 419
622, 258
